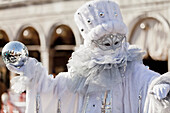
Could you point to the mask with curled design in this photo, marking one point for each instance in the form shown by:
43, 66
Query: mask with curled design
110, 42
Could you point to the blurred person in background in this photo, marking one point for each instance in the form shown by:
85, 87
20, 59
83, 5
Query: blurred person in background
2, 89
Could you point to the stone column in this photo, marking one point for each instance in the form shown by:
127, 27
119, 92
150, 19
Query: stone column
169, 60
45, 58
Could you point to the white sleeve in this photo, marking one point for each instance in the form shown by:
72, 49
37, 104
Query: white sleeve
38, 84
154, 105
35, 75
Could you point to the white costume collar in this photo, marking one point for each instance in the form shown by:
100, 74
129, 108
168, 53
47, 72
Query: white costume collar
93, 71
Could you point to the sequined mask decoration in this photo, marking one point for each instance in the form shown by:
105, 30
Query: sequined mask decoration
106, 102
38, 103
59, 106
110, 42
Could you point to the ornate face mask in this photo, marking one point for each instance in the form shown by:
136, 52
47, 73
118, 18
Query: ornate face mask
110, 42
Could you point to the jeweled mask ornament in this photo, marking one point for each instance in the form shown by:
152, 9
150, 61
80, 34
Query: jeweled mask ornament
15, 53
110, 41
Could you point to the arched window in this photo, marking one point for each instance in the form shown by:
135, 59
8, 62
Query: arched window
149, 33
30, 37
62, 45
62, 35
4, 72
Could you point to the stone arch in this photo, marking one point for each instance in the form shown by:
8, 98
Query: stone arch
158, 17
39, 30
159, 38
66, 24
8, 31
61, 44
4, 72
4, 39
41, 36
78, 38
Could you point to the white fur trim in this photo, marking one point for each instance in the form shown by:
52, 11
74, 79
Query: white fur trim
19, 83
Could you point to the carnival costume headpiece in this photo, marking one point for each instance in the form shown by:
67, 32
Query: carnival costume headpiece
97, 18
99, 64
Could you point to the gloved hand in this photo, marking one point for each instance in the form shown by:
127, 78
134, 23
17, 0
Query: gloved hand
20, 83
15, 69
28, 69
160, 91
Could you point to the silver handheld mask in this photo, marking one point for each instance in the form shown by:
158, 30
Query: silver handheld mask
15, 53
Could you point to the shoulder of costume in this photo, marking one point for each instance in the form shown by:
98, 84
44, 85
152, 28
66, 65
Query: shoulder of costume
134, 53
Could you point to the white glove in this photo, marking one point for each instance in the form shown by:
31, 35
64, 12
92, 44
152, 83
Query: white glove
28, 69
20, 83
15, 69
160, 91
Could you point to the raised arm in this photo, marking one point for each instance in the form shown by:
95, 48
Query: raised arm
41, 89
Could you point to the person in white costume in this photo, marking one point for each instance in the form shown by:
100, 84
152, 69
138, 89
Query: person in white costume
105, 75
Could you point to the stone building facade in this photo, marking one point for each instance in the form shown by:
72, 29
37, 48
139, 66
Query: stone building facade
48, 29
149, 28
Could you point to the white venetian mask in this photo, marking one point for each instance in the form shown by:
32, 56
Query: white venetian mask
110, 42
